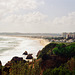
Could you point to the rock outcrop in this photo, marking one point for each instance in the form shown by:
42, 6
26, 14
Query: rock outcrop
10, 63
29, 56
14, 59
17, 59
25, 53
38, 53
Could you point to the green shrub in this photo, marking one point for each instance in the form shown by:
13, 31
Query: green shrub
47, 49
71, 64
57, 71
63, 50
47, 72
45, 57
18, 68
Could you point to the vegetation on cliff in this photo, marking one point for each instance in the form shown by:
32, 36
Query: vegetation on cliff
61, 49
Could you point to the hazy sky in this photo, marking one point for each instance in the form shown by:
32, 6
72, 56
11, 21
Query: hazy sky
37, 16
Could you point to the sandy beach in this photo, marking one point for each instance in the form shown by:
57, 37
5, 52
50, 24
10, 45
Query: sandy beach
42, 41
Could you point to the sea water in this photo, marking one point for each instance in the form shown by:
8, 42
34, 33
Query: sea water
16, 46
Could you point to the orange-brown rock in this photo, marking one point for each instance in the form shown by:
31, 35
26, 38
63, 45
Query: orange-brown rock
29, 56
25, 53
38, 53
17, 59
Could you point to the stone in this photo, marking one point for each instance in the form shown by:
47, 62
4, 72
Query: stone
38, 53
29, 56
25, 53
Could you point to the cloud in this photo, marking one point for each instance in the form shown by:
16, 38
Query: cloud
33, 17
36, 22
62, 24
27, 22
65, 20
9, 21
8, 7
17, 4
11, 5
31, 21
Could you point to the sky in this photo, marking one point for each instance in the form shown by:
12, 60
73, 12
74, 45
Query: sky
37, 16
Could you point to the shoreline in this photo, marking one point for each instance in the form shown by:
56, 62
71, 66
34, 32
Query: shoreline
42, 41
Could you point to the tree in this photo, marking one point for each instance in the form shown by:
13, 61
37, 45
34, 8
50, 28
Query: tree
57, 71
63, 50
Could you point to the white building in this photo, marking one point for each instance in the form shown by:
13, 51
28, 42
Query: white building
68, 35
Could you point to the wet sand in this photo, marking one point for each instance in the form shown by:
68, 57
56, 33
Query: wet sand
42, 42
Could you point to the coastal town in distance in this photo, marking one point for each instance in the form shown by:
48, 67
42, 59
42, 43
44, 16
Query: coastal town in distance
65, 37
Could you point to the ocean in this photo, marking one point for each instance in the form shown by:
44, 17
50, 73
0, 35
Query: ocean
16, 46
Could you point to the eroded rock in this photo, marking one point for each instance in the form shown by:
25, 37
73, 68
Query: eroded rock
25, 53
29, 56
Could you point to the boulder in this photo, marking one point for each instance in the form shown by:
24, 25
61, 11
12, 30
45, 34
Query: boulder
17, 59
29, 56
38, 53
25, 53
